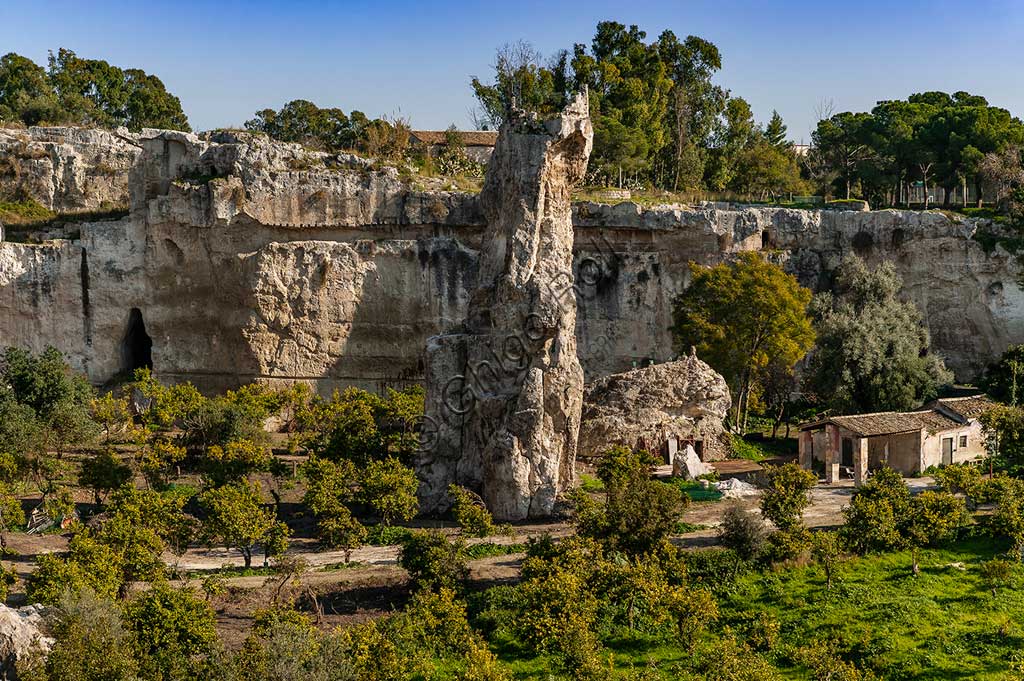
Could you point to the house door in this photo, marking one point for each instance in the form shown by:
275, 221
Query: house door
847, 459
947, 451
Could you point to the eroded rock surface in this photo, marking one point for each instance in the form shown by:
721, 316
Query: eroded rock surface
505, 391
67, 169
252, 260
23, 633
686, 399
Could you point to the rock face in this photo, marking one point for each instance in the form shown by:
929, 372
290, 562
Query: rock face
23, 632
247, 260
67, 169
686, 399
505, 391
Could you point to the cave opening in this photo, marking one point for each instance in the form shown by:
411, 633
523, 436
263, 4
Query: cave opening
137, 346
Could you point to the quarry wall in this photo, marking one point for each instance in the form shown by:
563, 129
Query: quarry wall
250, 260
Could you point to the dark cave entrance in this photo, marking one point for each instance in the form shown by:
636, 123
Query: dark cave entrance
137, 346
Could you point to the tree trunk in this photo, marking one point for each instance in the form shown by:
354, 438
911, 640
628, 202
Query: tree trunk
247, 555
979, 193
915, 568
848, 187
828, 579
947, 200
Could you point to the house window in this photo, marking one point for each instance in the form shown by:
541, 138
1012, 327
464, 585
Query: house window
963, 440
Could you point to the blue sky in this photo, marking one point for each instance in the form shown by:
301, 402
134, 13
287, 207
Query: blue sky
227, 59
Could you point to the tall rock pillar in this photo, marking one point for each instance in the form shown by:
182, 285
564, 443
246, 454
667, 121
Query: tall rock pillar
505, 391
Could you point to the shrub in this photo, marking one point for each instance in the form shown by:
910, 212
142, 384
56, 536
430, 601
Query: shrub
874, 513
390, 488
432, 561
639, 513
786, 494
742, 533
470, 513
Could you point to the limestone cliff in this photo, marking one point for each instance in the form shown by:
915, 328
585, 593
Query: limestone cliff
504, 391
67, 169
249, 260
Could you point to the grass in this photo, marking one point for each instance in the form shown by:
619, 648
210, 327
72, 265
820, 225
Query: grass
27, 212
942, 624
693, 489
591, 484
760, 449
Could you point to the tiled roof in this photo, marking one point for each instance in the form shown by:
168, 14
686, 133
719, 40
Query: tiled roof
471, 138
969, 407
891, 422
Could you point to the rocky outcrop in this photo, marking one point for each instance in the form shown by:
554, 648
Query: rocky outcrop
23, 634
504, 392
67, 169
644, 407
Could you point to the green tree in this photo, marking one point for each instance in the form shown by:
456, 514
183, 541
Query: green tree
434, 561
786, 494
112, 413
91, 642
173, 628
1003, 379
639, 513
1008, 518
237, 518
842, 141
304, 122
766, 170
471, 513
934, 518
88, 564
997, 573
26, 94
826, 549
92, 92
520, 78
1004, 437
740, 317
775, 132
330, 487
873, 350
390, 489
876, 512
235, 461
742, 533
103, 473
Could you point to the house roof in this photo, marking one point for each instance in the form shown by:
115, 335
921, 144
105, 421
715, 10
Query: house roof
969, 407
470, 138
890, 422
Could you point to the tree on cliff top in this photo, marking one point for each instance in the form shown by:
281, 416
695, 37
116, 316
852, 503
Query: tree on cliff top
740, 317
85, 92
873, 349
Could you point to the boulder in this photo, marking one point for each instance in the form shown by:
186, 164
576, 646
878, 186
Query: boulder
687, 465
505, 391
23, 633
686, 399
734, 488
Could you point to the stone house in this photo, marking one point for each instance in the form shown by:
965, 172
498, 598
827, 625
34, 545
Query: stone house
944, 431
478, 144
